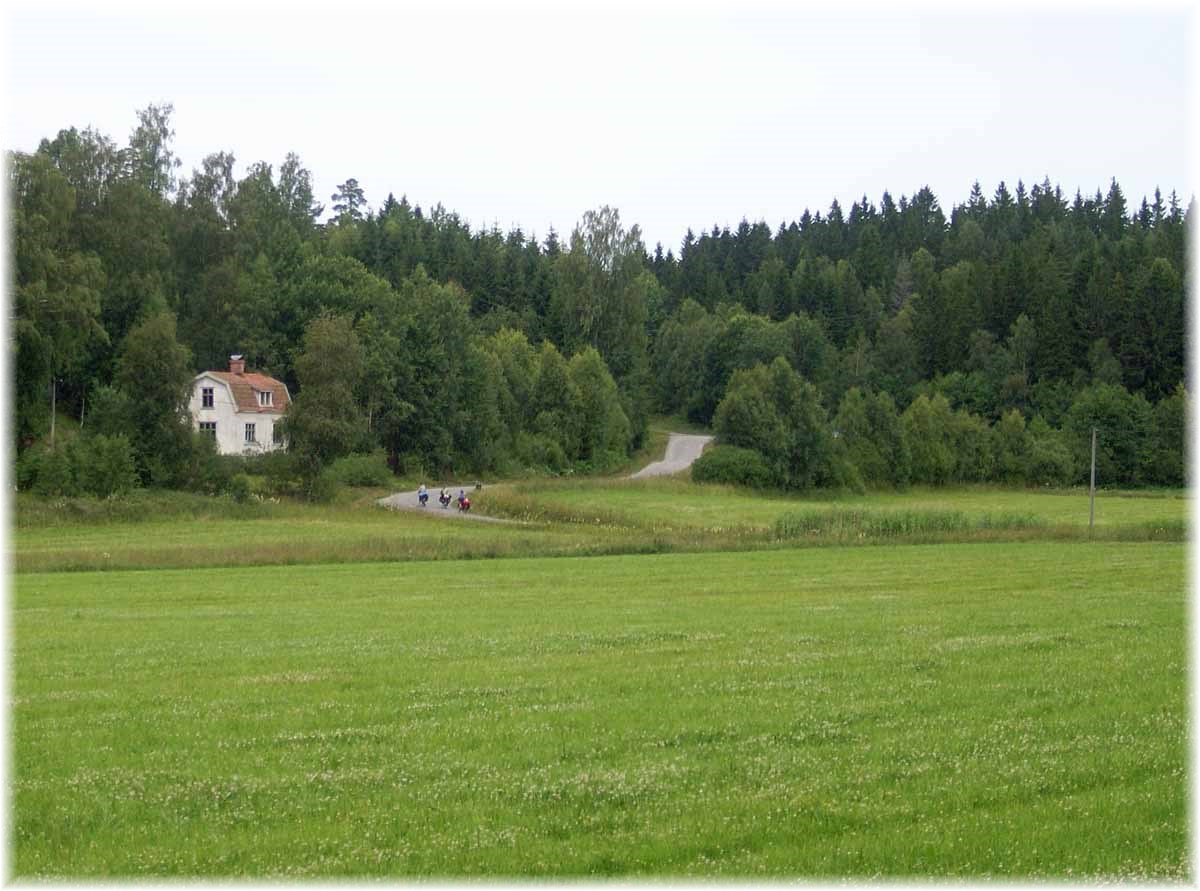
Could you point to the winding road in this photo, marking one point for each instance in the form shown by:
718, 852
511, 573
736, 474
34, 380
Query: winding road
682, 450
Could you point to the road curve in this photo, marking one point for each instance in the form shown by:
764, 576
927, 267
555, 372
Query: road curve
682, 450
409, 501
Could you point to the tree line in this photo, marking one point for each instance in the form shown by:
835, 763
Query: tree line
452, 348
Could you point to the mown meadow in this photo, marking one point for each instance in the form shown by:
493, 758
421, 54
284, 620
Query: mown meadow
292, 691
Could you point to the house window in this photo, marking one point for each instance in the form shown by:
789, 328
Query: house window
276, 434
209, 427
206, 397
250, 433
264, 397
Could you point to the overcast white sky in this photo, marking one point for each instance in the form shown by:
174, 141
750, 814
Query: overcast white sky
678, 114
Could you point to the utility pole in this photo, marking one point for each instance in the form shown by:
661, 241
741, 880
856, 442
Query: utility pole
1092, 494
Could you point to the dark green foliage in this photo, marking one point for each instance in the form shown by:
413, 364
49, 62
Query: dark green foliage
1013, 302
154, 374
1166, 452
735, 466
1122, 421
324, 420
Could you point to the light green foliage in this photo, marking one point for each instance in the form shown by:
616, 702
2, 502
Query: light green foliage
604, 430
926, 426
779, 414
1010, 447
665, 505
553, 400
971, 442
362, 470
1051, 462
900, 712
842, 524
103, 465
56, 288
748, 418
600, 299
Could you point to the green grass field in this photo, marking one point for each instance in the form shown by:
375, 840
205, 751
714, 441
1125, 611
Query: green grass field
974, 708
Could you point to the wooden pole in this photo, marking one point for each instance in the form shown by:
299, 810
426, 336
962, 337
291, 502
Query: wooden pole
1092, 490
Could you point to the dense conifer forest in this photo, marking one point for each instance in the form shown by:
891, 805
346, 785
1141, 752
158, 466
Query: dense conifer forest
890, 343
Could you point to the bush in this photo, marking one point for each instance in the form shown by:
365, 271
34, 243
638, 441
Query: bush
240, 488
734, 465
1122, 420
104, 465
280, 469
361, 470
1048, 460
46, 471
208, 472
541, 452
322, 488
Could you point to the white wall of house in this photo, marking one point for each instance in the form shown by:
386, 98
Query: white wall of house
231, 423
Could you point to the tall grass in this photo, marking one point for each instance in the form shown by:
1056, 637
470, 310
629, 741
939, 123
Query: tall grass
841, 524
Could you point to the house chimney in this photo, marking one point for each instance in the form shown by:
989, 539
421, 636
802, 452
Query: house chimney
237, 365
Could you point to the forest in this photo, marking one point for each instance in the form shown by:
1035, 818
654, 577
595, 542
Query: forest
880, 346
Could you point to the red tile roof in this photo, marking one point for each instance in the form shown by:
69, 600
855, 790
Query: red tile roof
246, 388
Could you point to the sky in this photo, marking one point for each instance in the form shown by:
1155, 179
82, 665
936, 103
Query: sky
677, 114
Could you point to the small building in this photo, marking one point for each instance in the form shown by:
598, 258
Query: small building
241, 410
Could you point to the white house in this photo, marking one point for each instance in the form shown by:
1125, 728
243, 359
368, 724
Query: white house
240, 409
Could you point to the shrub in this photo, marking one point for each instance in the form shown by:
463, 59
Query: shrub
735, 465
542, 452
280, 470
361, 470
927, 430
1049, 461
46, 472
240, 488
1122, 420
321, 488
208, 472
104, 465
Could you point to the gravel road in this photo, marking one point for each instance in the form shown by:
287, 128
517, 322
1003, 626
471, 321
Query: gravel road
409, 501
682, 450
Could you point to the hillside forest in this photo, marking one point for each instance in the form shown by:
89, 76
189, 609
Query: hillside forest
890, 343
